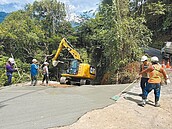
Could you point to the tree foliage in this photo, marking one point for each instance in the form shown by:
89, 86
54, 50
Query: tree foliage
158, 18
21, 35
35, 31
109, 40
114, 37
51, 15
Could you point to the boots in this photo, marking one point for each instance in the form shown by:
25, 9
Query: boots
157, 104
143, 103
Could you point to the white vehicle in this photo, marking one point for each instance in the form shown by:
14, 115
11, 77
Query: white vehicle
166, 51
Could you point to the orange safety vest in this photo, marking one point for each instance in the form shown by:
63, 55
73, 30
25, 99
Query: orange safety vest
155, 75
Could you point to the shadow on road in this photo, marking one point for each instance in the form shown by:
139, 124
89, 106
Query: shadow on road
149, 102
131, 93
132, 99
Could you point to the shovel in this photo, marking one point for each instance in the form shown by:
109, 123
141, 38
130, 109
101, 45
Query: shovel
116, 97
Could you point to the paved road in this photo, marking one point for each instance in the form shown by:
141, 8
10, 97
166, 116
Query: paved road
27, 107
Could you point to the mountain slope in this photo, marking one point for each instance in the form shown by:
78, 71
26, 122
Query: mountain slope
2, 16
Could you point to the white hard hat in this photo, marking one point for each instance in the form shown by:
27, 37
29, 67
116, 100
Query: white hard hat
34, 60
154, 59
11, 60
46, 63
144, 58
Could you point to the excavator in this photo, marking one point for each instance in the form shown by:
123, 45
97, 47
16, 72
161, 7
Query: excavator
77, 73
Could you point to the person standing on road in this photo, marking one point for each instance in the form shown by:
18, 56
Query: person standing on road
9, 70
144, 76
34, 72
155, 75
45, 73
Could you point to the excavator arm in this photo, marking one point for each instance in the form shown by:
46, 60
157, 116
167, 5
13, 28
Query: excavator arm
68, 46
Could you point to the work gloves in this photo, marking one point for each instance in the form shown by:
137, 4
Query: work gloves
167, 81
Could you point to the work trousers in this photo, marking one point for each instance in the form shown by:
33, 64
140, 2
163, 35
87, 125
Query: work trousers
33, 80
45, 78
9, 76
152, 86
143, 83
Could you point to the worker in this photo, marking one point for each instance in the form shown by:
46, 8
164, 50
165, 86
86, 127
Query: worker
9, 70
155, 72
45, 73
145, 76
34, 72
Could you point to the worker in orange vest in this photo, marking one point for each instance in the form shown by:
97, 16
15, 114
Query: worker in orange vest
155, 72
145, 76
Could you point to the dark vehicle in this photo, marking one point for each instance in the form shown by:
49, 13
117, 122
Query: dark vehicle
166, 51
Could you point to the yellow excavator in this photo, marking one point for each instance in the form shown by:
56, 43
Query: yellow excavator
77, 73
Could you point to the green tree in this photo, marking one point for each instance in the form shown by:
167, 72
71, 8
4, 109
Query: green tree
114, 37
51, 15
22, 35
158, 18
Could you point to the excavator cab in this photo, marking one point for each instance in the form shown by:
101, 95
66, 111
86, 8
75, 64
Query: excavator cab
73, 68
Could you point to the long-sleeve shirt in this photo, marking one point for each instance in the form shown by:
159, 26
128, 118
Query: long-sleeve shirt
9, 68
34, 69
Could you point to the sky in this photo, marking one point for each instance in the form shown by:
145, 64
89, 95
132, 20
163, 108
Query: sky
74, 7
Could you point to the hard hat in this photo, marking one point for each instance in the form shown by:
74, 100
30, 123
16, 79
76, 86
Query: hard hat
144, 58
11, 60
154, 59
46, 63
34, 60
